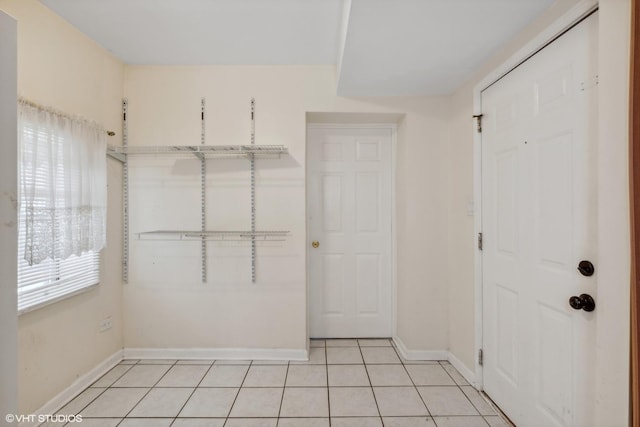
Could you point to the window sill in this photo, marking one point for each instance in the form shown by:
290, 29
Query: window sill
57, 299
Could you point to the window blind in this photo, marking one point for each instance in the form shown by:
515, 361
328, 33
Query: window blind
53, 278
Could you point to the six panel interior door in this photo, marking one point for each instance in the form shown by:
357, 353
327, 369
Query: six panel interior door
349, 214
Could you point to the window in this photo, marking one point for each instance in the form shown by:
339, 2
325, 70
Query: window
53, 279
62, 205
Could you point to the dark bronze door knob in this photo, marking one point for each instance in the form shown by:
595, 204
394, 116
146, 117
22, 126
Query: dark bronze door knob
583, 302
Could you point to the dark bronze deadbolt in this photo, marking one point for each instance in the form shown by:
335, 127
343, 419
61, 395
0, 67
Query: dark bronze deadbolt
586, 268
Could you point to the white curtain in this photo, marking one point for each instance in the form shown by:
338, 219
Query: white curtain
63, 193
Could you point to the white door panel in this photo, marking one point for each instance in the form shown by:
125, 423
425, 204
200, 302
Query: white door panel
538, 189
349, 208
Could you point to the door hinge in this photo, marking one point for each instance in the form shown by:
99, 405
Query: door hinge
480, 357
480, 241
478, 118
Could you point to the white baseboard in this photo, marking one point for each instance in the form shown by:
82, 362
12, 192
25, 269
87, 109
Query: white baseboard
419, 354
217, 353
467, 373
407, 354
77, 387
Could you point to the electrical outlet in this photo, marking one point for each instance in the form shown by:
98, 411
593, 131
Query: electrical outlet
106, 324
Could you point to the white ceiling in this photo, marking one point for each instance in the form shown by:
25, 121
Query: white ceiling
196, 32
383, 47
395, 48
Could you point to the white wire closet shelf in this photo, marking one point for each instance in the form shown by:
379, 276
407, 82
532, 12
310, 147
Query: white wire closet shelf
219, 235
200, 151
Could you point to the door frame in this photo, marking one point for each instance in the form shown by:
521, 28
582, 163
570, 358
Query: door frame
547, 36
392, 127
8, 215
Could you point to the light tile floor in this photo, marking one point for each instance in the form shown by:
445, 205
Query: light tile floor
345, 383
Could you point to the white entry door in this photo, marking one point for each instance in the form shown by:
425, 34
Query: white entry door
539, 223
349, 214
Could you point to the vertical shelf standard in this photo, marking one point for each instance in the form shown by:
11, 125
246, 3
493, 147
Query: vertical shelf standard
125, 194
252, 158
203, 197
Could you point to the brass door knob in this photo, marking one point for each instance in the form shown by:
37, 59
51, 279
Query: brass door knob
315, 243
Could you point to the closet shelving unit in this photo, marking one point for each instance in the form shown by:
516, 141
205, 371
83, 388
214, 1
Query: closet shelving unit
203, 152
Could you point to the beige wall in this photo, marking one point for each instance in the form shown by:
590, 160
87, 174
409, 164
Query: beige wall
8, 218
461, 243
613, 264
60, 67
228, 312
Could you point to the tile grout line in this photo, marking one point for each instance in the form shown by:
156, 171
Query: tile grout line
238, 393
375, 399
192, 393
284, 385
470, 401
148, 391
103, 391
462, 391
447, 371
326, 368
414, 385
